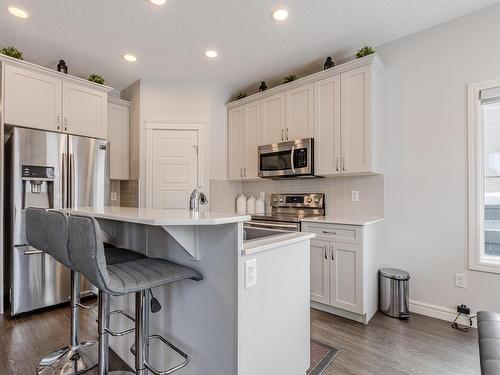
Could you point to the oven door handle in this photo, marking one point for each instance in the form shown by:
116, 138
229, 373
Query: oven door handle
270, 225
292, 157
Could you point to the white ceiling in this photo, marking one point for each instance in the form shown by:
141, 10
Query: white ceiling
169, 40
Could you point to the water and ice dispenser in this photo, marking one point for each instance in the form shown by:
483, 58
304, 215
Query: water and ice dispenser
37, 186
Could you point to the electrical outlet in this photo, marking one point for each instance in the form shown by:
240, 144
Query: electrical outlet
460, 280
114, 197
250, 273
355, 195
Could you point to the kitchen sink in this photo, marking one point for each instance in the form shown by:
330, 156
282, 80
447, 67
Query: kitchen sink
250, 234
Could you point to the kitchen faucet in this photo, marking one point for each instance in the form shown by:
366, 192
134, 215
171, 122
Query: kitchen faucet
197, 198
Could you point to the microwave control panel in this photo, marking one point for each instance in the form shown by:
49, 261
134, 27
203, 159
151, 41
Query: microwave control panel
300, 158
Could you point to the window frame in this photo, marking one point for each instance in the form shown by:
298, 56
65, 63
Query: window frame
477, 262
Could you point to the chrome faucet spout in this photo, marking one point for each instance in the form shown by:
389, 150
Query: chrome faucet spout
197, 198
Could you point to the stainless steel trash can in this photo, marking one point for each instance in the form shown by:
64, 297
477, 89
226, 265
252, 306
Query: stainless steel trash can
394, 292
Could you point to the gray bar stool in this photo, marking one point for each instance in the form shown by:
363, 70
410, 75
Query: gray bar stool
47, 231
135, 276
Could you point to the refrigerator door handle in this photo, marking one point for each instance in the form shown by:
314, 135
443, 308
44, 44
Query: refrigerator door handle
71, 181
63, 181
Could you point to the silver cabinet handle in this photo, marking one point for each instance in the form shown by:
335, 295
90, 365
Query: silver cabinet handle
325, 249
343, 164
337, 164
65, 124
245, 172
286, 132
332, 252
58, 122
241, 172
327, 232
282, 135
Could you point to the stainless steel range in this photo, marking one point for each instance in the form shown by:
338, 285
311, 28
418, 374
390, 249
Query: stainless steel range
288, 209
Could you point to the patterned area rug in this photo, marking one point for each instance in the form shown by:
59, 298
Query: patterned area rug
322, 356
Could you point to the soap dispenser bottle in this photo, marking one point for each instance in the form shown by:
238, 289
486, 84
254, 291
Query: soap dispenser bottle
241, 205
260, 204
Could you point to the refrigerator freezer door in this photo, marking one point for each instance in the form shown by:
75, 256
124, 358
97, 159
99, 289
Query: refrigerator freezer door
88, 175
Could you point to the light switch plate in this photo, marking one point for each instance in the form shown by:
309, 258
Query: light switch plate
355, 195
250, 273
460, 280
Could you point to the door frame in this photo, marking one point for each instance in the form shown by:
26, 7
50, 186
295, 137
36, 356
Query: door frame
186, 125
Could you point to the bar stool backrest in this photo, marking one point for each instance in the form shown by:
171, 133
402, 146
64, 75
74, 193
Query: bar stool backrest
35, 228
56, 227
87, 251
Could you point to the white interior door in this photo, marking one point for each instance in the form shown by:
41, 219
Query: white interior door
174, 167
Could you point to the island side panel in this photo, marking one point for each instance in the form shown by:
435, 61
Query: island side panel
199, 317
274, 315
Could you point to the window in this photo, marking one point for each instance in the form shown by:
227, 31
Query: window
484, 176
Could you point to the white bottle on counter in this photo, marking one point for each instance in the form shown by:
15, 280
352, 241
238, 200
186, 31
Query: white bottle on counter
251, 205
241, 205
260, 204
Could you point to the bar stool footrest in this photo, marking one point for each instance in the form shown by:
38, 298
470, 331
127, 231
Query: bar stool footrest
125, 332
171, 346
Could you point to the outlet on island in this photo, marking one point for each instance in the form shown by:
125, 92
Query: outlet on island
250, 273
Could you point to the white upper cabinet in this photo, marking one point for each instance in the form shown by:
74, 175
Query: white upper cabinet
235, 149
356, 119
251, 138
39, 98
84, 111
32, 99
327, 126
299, 113
118, 137
273, 119
244, 135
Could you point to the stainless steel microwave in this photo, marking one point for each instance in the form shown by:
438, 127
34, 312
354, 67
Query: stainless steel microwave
287, 159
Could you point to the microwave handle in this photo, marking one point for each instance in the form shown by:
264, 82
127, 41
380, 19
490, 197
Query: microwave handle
292, 157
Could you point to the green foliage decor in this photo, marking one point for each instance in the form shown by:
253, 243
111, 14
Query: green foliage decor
12, 52
96, 78
365, 51
289, 78
240, 95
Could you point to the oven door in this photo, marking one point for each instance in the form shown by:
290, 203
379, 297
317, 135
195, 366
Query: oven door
285, 159
279, 225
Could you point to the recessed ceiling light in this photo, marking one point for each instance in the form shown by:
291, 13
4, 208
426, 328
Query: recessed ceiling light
211, 53
18, 12
129, 57
280, 14
158, 2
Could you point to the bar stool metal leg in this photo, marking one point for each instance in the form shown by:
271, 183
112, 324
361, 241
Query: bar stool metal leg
103, 324
78, 357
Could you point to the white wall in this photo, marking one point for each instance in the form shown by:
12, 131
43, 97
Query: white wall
425, 151
165, 100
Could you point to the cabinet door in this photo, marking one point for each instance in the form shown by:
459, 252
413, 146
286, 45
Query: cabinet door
85, 111
273, 119
235, 147
356, 120
327, 126
32, 99
299, 113
250, 139
346, 280
118, 136
320, 272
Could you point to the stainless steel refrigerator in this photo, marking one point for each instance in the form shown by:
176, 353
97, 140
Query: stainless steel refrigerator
49, 170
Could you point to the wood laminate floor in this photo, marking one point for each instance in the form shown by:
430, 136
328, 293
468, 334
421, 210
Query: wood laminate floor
386, 346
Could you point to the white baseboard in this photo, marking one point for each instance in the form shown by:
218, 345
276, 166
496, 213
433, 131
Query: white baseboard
439, 312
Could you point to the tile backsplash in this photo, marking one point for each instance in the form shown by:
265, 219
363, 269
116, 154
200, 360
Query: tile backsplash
129, 193
337, 192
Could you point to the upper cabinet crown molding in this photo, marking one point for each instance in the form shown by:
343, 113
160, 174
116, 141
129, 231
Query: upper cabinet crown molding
118, 101
54, 73
372, 59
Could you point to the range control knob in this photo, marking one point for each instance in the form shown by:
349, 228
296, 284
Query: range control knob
309, 200
276, 199
316, 200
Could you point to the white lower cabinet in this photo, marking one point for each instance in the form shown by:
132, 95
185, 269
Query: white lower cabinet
343, 282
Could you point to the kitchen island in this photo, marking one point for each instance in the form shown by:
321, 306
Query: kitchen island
226, 325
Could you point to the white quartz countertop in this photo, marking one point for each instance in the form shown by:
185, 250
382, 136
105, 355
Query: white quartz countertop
151, 216
271, 242
344, 220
